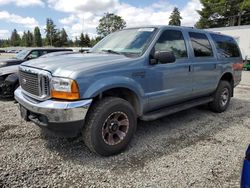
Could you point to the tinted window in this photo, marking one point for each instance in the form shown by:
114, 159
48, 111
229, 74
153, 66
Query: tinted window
172, 40
201, 45
226, 46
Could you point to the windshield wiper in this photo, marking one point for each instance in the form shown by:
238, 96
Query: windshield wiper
112, 52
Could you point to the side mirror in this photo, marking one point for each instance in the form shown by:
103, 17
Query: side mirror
163, 57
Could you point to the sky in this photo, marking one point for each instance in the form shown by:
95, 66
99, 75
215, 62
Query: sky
78, 16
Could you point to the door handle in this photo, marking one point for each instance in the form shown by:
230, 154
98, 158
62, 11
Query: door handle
189, 68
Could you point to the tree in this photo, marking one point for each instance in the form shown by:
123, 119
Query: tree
76, 42
82, 40
24, 39
63, 38
37, 37
222, 13
87, 40
110, 23
15, 39
29, 39
175, 17
51, 32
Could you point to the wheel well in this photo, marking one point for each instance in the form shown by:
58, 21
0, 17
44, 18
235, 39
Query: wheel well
123, 93
228, 77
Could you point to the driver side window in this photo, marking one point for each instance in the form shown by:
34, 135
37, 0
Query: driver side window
172, 41
33, 54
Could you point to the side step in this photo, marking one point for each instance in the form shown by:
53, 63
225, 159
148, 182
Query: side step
175, 108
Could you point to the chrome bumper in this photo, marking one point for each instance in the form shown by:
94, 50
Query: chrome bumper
55, 111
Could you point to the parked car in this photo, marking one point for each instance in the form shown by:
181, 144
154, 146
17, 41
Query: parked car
9, 68
245, 178
144, 72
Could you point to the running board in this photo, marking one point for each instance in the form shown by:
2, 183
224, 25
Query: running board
175, 108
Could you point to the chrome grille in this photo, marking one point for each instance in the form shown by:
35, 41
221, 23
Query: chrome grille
35, 82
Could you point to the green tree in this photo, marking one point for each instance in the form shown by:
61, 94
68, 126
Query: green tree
51, 32
82, 40
110, 23
29, 39
24, 39
76, 42
63, 38
37, 37
175, 17
221, 13
15, 39
87, 40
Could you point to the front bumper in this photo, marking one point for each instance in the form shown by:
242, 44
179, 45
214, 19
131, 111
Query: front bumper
61, 117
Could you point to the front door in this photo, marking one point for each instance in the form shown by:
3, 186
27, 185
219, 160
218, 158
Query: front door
170, 83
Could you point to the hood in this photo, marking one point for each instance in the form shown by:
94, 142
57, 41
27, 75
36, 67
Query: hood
9, 62
9, 70
65, 65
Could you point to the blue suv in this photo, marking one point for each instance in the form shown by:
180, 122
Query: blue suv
144, 72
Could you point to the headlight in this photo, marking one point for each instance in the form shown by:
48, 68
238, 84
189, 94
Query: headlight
63, 88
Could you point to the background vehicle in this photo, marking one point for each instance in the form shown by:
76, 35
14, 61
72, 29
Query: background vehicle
245, 178
145, 72
9, 67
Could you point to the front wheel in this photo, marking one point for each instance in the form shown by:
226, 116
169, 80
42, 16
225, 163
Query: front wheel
222, 97
109, 127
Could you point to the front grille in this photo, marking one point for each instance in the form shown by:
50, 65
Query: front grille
34, 82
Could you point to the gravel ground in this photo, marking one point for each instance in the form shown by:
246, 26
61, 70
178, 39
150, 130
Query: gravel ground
193, 148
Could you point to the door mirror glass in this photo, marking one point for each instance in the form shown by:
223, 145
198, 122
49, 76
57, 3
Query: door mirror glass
163, 57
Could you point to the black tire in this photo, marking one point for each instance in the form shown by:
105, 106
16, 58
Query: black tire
222, 97
98, 126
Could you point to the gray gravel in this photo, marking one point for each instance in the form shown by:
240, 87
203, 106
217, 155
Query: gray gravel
193, 148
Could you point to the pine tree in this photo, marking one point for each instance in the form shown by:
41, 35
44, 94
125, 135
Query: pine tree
29, 39
64, 37
222, 13
82, 40
37, 37
51, 32
15, 39
175, 17
87, 40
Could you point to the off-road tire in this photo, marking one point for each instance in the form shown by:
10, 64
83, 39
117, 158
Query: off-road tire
217, 105
96, 117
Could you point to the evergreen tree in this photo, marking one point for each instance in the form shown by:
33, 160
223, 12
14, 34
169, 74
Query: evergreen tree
29, 39
37, 37
175, 17
51, 32
24, 39
15, 39
82, 40
87, 40
63, 37
221, 13
76, 42
110, 23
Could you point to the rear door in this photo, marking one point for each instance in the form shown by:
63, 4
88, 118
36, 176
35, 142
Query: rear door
204, 68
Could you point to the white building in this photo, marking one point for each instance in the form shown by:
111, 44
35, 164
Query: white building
241, 35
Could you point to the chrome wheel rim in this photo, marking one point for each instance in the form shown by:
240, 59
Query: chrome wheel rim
224, 97
115, 128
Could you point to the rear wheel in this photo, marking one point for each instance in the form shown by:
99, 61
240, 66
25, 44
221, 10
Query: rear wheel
109, 127
222, 97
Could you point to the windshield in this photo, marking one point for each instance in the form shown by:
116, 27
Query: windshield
128, 41
21, 55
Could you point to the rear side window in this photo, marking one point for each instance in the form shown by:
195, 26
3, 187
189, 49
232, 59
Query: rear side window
226, 46
172, 41
201, 45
